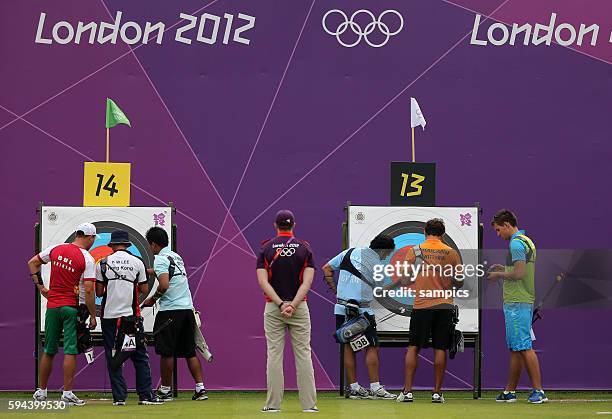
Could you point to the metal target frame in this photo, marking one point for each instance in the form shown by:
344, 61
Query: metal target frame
97, 337
400, 339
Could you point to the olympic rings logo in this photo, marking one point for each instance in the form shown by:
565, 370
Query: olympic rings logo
363, 32
287, 251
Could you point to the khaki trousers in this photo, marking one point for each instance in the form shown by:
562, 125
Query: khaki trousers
275, 325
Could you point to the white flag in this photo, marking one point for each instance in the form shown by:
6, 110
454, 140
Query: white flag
416, 116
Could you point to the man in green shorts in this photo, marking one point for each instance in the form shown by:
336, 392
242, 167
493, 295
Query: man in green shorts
71, 263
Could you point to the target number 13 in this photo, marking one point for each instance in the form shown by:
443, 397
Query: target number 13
415, 185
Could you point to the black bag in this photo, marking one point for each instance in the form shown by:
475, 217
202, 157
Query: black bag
352, 328
131, 327
354, 325
84, 341
457, 342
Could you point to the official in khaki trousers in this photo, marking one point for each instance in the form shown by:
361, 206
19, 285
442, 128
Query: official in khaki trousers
285, 270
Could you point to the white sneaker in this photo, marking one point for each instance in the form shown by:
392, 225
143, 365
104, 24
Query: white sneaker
381, 394
314, 409
360, 393
72, 400
405, 397
267, 409
39, 395
119, 403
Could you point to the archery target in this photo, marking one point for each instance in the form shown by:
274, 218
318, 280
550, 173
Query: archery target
58, 225
405, 225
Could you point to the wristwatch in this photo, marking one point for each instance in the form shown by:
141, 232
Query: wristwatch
38, 277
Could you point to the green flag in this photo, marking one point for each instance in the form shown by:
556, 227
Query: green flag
114, 115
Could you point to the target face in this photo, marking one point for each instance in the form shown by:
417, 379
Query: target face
406, 226
59, 223
100, 249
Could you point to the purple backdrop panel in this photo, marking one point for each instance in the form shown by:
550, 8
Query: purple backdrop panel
295, 120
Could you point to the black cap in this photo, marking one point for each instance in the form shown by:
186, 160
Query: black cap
285, 218
119, 237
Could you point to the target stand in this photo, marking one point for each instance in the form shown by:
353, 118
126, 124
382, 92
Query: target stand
57, 224
405, 225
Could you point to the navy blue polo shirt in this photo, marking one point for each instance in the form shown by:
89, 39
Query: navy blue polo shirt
285, 258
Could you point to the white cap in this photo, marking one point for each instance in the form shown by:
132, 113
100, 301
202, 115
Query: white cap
88, 229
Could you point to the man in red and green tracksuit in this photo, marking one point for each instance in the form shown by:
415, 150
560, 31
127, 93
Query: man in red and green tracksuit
71, 267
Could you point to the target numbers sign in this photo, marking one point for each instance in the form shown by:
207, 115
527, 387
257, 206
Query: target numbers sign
59, 223
413, 184
405, 225
106, 184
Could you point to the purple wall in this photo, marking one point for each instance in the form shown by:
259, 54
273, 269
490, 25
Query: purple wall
525, 127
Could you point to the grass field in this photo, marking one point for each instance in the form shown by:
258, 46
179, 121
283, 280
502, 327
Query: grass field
247, 405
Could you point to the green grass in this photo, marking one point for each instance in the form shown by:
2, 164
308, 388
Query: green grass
331, 405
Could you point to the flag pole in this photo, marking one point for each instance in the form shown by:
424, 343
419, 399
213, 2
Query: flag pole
108, 143
413, 158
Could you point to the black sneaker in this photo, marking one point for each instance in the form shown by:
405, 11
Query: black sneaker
153, 401
437, 398
163, 396
200, 395
119, 403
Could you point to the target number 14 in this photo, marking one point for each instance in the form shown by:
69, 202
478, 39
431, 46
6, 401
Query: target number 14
106, 185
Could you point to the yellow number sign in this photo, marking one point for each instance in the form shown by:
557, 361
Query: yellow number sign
106, 184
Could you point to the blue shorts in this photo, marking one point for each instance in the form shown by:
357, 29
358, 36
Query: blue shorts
518, 325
